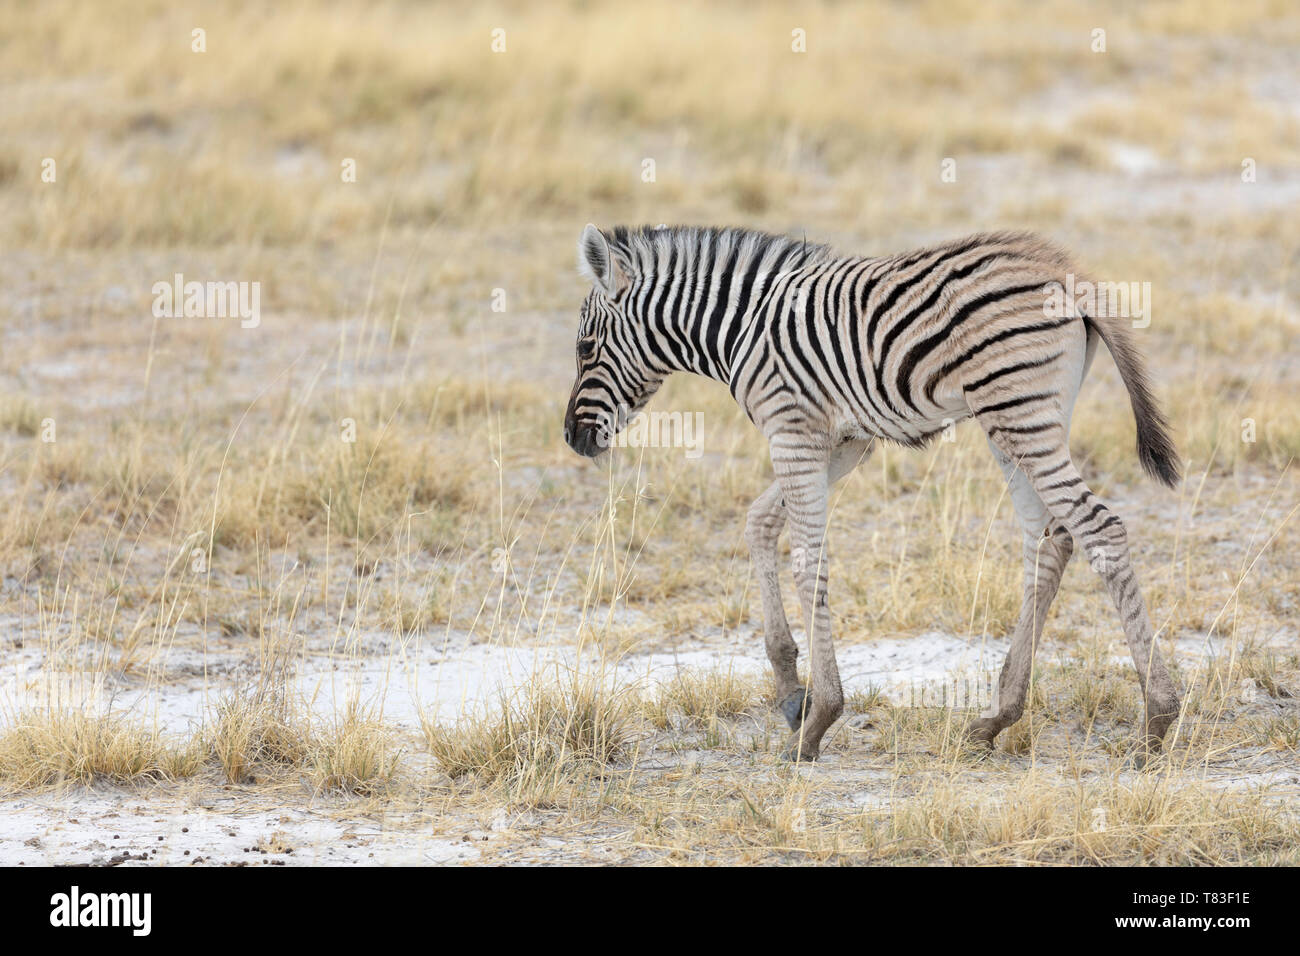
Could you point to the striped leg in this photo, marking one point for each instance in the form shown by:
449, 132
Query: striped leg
1047, 550
1101, 534
802, 466
1046, 546
762, 531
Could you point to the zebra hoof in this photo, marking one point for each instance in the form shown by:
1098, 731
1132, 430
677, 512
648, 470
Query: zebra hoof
799, 751
1145, 755
1138, 759
794, 707
981, 733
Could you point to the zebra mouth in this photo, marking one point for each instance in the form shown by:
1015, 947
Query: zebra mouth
587, 439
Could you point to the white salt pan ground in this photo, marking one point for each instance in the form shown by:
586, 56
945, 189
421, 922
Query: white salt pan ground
455, 678
451, 677
445, 679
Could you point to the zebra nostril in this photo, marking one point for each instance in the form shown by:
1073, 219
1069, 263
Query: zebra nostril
568, 435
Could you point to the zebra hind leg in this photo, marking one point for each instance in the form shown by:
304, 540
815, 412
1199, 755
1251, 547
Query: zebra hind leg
1103, 538
1047, 548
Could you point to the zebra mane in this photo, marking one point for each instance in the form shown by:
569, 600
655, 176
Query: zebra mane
637, 247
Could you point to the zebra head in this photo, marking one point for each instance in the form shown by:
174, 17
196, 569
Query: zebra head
613, 381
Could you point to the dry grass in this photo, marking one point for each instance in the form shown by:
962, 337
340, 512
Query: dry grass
549, 732
1115, 822
356, 753
202, 522
57, 747
259, 731
1280, 732
703, 698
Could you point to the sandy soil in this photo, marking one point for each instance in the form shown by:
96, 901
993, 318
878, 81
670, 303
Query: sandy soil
204, 822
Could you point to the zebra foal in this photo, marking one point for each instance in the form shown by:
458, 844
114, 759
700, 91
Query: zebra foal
829, 354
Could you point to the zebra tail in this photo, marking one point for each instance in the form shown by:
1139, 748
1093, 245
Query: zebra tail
1155, 447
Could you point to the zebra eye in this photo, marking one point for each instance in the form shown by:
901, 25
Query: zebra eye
586, 348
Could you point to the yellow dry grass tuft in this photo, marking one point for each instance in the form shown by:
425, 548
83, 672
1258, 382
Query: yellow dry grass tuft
257, 732
702, 698
355, 753
554, 729
55, 747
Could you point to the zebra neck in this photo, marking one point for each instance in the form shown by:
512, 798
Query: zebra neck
694, 329
694, 318
695, 294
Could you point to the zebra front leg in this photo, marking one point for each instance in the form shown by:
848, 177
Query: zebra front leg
762, 531
805, 486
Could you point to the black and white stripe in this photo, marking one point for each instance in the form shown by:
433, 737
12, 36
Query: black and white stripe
828, 354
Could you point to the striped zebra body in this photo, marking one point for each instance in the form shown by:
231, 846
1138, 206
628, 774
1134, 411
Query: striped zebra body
829, 354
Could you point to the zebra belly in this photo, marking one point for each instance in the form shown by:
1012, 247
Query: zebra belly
913, 431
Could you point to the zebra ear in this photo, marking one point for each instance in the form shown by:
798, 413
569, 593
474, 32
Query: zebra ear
595, 262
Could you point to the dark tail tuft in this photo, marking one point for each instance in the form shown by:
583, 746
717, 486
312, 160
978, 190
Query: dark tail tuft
1154, 445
